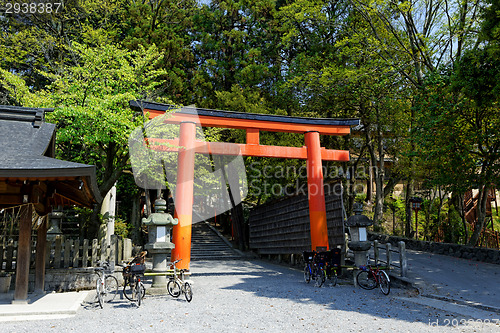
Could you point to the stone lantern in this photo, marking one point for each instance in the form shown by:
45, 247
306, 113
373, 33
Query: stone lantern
55, 220
359, 243
159, 226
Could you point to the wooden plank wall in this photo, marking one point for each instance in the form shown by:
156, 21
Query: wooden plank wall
282, 227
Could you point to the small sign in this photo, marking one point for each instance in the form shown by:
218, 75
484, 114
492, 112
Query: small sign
161, 234
362, 234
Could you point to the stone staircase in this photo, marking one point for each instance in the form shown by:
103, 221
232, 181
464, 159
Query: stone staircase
206, 244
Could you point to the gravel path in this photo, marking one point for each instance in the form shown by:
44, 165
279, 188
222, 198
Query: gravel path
253, 296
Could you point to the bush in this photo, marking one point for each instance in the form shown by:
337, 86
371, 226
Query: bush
121, 228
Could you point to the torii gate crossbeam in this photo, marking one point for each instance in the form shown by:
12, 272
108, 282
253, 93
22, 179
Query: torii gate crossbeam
189, 118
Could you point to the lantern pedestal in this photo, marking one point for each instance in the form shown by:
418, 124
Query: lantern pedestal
159, 227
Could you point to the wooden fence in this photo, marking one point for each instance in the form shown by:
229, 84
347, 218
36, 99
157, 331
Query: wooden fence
394, 257
282, 227
69, 253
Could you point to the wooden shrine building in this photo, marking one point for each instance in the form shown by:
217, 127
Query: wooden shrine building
32, 179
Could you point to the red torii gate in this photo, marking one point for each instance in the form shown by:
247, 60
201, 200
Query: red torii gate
189, 118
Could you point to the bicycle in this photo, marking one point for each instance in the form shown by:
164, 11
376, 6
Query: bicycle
133, 287
178, 285
332, 265
369, 278
106, 284
309, 269
320, 263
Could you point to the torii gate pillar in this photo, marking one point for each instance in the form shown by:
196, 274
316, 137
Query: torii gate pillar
316, 195
181, 234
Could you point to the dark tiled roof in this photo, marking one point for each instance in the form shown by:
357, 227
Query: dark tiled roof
41, 166
138, 105
24, 140
21, 138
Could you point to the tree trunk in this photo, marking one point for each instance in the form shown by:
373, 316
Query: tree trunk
369, 184
409, 193
135, 221
379, 175
481, 215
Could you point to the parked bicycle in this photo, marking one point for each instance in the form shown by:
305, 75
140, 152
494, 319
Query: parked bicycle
106, 284
178, 285
309, 268
322, 266
370, 277
133, 287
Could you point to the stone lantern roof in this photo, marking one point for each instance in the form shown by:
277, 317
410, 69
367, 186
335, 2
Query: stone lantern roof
358, 220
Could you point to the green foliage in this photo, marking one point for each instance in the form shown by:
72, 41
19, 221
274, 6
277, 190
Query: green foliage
121, 227
422, 83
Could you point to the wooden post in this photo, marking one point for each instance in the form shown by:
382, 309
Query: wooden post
388, 250
67, 249
95, 246
48, 248
127, 249
181, 233
316, 193
23, 254
112, 250
119, 251
402, 259
85, 254
76, 253
375, 251
2, 250
104, 250
9, 255
57, 252
41, 244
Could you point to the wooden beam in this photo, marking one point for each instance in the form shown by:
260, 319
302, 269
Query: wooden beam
41, 242
23, 254
252, 136
263, 125
222, 148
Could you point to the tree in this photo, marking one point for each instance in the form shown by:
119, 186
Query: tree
338, 72
91, 100
457, 129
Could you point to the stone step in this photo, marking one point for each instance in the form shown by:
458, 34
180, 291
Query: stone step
208, 245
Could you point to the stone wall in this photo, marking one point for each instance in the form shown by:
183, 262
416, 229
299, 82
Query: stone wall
75, 279
455, 250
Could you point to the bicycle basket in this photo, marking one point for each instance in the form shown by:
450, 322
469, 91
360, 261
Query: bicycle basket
335, 257
137, 269
321, 257
308, 256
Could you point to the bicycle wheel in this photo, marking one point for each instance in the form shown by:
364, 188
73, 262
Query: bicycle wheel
140, 291
99, 291
366, 280
334, 277
307, 274
320, 277
111, 288
384, 283
129, 289
174, 288
188, 291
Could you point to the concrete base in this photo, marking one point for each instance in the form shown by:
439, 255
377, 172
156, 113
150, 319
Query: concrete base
360, 258
156, 291
20, 301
